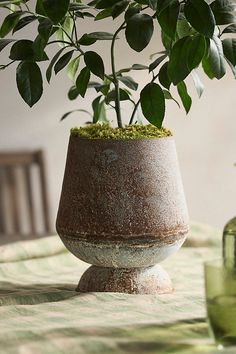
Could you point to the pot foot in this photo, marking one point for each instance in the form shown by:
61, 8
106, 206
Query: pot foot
151, 280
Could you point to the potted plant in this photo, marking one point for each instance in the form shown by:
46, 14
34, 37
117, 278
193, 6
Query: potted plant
122, 205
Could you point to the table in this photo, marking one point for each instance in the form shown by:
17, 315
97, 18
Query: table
41, 313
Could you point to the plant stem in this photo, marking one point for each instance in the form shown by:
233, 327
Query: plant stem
115, 80
2, 67
64, 42
74, 31
134, 111
67, 35
27, 7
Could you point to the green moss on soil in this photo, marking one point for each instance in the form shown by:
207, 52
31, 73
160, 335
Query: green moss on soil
97, 131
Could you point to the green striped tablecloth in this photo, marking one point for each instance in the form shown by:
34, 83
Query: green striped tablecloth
41, 313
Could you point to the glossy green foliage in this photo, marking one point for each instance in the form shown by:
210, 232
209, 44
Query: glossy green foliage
153, 104
190, 31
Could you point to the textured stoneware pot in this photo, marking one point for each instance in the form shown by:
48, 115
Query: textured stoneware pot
123, 210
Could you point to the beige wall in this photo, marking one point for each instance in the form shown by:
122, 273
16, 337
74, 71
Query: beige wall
205, 138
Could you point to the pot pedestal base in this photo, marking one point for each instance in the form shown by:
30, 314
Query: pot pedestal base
150, 280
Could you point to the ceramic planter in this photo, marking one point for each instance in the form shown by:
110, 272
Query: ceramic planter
123, 210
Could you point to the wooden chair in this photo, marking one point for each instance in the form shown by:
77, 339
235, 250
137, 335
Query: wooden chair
24, 206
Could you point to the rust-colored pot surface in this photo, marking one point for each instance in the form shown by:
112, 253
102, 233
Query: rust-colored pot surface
122, 202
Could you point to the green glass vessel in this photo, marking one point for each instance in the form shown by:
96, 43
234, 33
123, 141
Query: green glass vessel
229, 244
220, 286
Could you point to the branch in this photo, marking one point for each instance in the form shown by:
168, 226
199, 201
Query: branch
57, 41
2, 67
115, 80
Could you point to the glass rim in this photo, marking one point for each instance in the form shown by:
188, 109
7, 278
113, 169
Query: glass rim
218, 263
214, 261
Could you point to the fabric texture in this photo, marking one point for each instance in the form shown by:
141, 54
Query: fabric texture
41, 313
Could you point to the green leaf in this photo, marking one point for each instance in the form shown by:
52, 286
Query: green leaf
164, 77
85, 40
23, 22
56, 9
131, 11
223, 11
183, 28
200, 16
29, 82
103, 88
63, 61
156, 62
168, 96
91, 38
12, 4
23, 50
82, 81
78, 6
102, 36
153, 4
124, 96
103, 14
139, 67
73, 93
161, 5
92, 3
53, 61
94, 84
233, 68
178, 68
198, 84
166, 41
103, 118
230, 29
207, 68
5, 42
86, 14
38, 46
196, 51
119, 8
184, 96
67, 27
129, 82
168, 17
104, 4
186, 54
142, 2
229, 47
95, 63
79, 14
213, 63
45, 29
39, 9
152, 101
9, 23
96, 109
134, 67
139, 31
73, 67
157, 53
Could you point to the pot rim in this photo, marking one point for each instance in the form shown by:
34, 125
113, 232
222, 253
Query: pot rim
170, 137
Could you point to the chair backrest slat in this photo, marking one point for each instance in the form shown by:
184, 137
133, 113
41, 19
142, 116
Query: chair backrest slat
3, 228
29, 197
43, 183
13, 198
18, 158
24, 206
